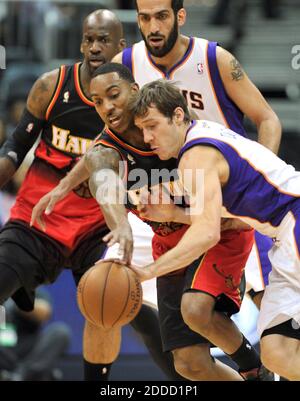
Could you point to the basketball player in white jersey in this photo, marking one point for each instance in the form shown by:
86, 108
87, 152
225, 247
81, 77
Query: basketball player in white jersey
241, 179
215, 86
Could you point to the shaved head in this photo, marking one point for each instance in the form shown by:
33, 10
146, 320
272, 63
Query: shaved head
107, 18
102, 38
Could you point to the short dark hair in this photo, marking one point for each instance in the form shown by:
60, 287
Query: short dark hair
175, 4
122, 70
163, 95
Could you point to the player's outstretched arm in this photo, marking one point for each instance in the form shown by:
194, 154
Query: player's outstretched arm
106, 172
205, 214
249, 100
16, 147
47, 203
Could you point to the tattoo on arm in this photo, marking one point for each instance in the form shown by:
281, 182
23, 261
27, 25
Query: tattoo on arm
41, 93
237, 72
99, 158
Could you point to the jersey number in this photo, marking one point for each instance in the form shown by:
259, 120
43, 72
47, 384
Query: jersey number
195, 99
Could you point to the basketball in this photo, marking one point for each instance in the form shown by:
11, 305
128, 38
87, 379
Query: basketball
109, 294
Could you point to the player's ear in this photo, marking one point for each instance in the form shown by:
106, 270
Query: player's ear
135, 87
81, 48
178, 114
181, 17
122, 44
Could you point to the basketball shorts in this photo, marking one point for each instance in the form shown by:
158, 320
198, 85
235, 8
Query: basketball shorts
142, 255
281, 300
217, 273
258, 265
37, 259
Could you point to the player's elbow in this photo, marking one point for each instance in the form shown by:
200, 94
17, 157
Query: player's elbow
268, 115
213, 237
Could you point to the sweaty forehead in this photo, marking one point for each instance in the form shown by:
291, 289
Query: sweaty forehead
153, 6
99, 25
103, 83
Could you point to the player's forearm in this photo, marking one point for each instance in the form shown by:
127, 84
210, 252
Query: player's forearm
108, 189
194, 243
269, 133
7, 170
75, 177
182, 215
115, 215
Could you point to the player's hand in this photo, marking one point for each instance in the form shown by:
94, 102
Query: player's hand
143, 273
156, 206
46, 205
234, 224
123, 236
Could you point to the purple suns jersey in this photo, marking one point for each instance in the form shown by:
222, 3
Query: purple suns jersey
196, 74
261, 189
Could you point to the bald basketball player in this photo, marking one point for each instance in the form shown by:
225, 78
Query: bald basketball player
59, 106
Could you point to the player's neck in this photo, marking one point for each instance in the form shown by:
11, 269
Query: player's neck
182, 137
85, 78
175, 54
134, 137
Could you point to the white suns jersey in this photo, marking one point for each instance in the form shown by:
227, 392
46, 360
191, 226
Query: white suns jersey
262, 189
196, 74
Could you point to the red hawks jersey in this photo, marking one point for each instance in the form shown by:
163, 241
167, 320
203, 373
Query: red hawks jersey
71, 126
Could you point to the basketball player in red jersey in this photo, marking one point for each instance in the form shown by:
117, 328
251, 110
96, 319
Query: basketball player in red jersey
59, 106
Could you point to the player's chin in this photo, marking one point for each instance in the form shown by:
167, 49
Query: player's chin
95, 64
162, 155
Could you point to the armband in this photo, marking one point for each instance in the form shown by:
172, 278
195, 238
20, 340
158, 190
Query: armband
22, 139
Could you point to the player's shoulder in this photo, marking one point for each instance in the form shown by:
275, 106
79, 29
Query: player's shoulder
118, 58
42, 92
48, 80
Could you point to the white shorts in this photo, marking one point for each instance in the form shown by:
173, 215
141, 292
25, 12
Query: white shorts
281, 300
258, 265
142, 255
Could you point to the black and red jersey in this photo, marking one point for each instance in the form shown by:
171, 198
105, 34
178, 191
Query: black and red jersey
72, 124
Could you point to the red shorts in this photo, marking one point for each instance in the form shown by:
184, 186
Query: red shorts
220, 270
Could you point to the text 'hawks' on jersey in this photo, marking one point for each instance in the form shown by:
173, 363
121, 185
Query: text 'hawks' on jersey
198, 77
72, 124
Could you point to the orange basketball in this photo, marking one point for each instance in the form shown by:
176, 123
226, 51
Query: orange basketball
109, 294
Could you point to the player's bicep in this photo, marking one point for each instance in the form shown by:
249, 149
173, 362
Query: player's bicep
41, 94
100, 157
202, 183
105, 168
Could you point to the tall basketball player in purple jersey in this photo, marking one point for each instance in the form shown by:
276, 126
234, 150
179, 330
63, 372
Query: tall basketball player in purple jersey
241, 179
215, 87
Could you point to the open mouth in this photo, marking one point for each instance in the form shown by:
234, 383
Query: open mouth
114, 121
156, 42
96, 62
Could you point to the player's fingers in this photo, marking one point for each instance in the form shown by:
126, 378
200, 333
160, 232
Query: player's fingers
40, 221
51, 204
36, 212
129, 253
107, 237
112, 241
